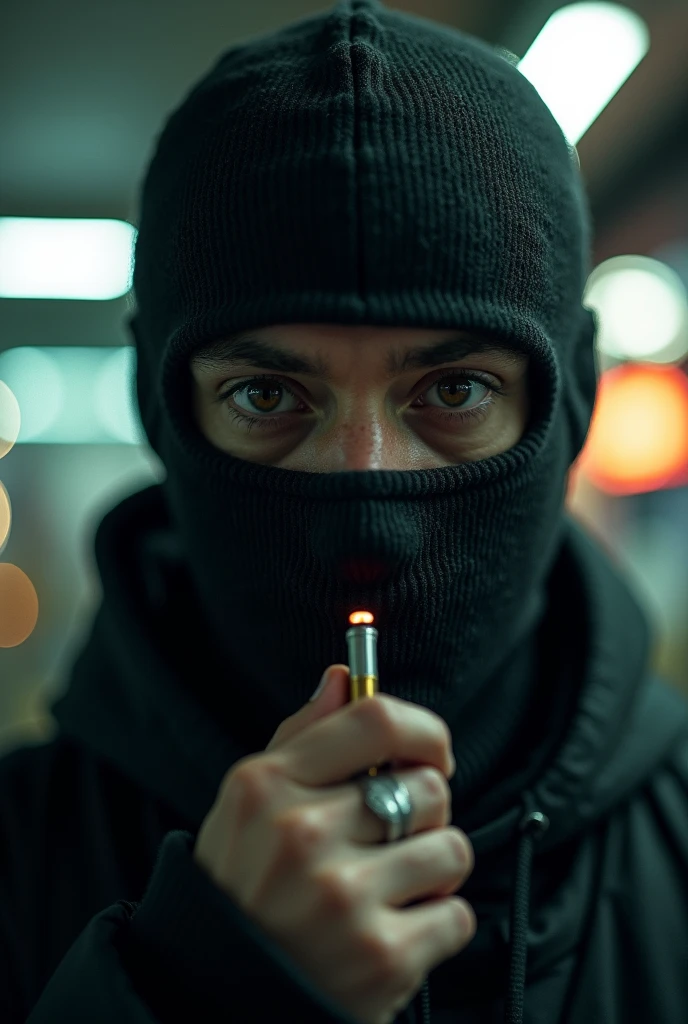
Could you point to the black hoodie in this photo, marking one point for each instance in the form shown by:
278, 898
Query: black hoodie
104, 915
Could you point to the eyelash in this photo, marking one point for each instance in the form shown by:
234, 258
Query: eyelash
479, 413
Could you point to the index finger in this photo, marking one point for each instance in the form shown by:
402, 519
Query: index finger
366, 732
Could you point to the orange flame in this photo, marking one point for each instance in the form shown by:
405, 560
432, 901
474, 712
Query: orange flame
356, 617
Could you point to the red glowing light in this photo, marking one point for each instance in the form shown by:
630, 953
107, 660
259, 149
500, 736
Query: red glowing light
357, 617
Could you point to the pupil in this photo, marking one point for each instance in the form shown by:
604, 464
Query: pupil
458, 389
264, 393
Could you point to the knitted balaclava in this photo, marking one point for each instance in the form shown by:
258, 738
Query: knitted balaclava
364, 166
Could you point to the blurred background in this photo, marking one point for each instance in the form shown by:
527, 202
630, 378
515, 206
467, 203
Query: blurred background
84, 89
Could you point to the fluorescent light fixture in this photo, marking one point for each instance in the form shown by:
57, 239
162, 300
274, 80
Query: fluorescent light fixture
581, 58
65, 258
74, 395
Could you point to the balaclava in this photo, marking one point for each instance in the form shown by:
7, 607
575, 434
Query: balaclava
367, 166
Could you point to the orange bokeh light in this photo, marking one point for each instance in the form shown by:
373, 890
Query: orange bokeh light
638, 439
357, 617
18, 605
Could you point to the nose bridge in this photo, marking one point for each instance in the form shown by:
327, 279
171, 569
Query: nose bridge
361, 439
365, 433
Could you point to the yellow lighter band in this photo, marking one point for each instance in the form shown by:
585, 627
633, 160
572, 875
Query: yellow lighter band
363, 686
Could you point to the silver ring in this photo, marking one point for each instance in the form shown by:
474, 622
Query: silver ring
390, 801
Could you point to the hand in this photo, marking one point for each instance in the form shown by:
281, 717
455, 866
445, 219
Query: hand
290, 840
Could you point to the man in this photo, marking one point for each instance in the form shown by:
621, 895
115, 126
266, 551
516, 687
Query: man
366, 234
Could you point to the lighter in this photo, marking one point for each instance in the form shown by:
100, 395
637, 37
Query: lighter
361, 641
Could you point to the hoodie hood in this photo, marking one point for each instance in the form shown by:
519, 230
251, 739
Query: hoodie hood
135, 703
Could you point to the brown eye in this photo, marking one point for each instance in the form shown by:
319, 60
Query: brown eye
457, 392
456, 389
262, 396
265, 398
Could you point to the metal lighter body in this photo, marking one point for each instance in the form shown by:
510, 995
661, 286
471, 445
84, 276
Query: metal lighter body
361, 642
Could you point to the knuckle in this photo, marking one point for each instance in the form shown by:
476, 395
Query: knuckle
338, 891
381, 717
301, 833
238, 777
247, 786
384, 953
436, 787
388, 718
441, 737
379, 710
444, 737
255, 773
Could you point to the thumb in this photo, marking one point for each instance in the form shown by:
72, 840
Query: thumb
332, 693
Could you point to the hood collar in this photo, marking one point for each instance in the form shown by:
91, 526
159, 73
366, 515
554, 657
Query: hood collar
127, 704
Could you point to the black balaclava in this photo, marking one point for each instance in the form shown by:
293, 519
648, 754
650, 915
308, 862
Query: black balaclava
365, 166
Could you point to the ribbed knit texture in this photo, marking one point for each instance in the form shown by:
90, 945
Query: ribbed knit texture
364, 166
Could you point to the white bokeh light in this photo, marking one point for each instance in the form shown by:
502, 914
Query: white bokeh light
35, 378
74, 395
114, 396
10, 419
642, 308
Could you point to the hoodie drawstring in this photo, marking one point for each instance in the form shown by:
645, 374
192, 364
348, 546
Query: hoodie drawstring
531, 827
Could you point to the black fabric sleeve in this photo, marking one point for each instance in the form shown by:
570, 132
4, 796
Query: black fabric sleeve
185, 953
194, 955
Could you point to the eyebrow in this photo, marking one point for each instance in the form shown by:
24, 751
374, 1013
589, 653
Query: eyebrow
244, 348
